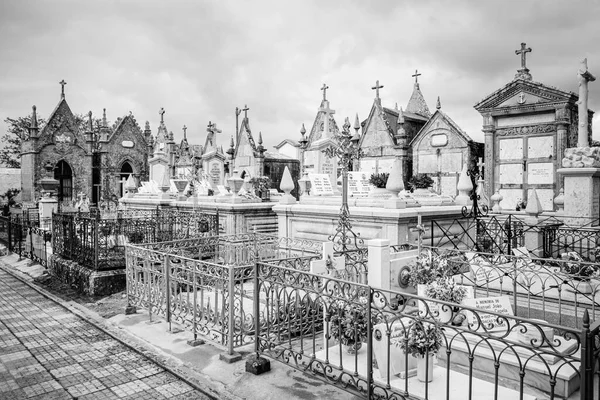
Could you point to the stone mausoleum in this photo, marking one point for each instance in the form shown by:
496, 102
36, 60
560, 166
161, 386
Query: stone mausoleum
527, 127
85, 159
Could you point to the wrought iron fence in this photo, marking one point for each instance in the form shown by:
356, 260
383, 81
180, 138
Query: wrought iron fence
204, 283
27, 236
309, 322
98, 240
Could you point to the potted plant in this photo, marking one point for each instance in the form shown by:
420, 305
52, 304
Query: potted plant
420, 183
378, 182
445, 289
348, 325
261, 186
579, 270
423, 341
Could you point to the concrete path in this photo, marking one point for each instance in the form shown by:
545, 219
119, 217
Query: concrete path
47, 352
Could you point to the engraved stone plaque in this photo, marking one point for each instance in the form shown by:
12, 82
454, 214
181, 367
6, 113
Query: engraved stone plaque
540, 147
510, 198
428, 163
540, 173
546, 198
439, 140
511, 174
511, 149
452, 162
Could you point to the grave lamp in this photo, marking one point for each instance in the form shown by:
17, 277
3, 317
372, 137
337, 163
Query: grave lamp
48, 183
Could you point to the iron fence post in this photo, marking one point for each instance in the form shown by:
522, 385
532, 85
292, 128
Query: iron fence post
96, 225
10, 247
256, 309
168, 289
509, 234
587, 360
231, 316
370, 382
31, 249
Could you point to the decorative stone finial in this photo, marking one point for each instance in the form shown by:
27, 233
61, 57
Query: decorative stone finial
396, 106
34, 121
147, 127
62, 88
303, 130
287, 185
356, 123
260, 141
400, 116
464, 187
90, 122
162, 115
104, 123
534, 207
438, 105
231, 143
496, 199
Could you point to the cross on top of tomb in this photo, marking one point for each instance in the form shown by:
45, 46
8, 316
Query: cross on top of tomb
62, 88
245, 110
523, 73
416, 75
324, 89
184, 131
376, 88
162, 114
523, 52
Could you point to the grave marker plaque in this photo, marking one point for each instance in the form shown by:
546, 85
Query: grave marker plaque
320, 184
499, 304
358, 184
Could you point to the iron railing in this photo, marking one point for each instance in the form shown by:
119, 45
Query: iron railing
27, 236
97, 240
489, 355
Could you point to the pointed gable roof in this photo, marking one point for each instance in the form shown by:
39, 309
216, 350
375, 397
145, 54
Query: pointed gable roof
387, 115
121, 124
429, 126
521, 94
246, 133
417, 104
316, 132
62, 113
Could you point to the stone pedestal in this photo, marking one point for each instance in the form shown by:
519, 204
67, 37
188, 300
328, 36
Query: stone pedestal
379, 263
47, 206
581, 195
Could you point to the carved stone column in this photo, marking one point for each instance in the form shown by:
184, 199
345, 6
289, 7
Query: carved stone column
562, 125
490, 151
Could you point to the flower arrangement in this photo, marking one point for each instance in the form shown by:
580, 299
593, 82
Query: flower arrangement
379, 180
521, 205
348, 323
427, 269
575, 268
446, 289
422, 339
420, 181
261, 183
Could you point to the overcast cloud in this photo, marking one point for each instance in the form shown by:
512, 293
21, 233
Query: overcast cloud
200, 59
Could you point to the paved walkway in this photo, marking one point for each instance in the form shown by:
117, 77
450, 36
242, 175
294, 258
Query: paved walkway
46, 352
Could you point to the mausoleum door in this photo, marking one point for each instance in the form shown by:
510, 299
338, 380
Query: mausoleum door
526, 162
64, 175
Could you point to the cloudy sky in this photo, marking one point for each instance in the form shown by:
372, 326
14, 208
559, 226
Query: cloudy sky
201, 59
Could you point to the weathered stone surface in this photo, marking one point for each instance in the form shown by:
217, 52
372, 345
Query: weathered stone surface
86, 280
579, 157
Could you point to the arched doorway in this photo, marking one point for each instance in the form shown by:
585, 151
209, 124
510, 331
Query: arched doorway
126, 170
64, 175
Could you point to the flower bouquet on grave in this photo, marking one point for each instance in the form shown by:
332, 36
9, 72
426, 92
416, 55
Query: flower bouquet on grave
420, 181
445, 289
348, 324
423, 341
579, 270
427, 269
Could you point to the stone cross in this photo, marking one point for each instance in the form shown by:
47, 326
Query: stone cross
416, 75
62, 88
324, 89
480, 164
584, 77
376, 88
184, 131
523, 52
329, 263
245, 110
162, 114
